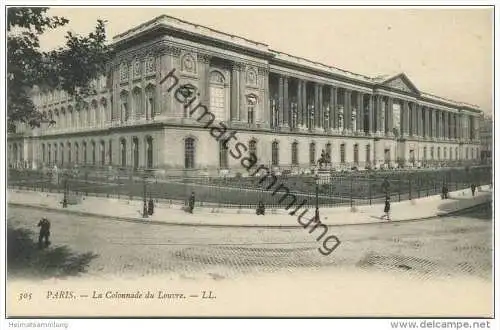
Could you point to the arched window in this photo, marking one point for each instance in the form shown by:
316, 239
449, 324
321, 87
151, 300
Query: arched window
342, 153
124, 108
329, 152
123, 152
252, 147
456, 153
368, 154
275, 153
295, 153
103, 112
424, 156
217, 95
438, 153
223, 155
103, 153
312, 153
56, 118
61, 148
136, 102
149, 152
77, 153
63, 118
94, 114
189, 153
135, 150
49, 153
69, 153
150, 102
55, 153
251, 103
43, 153
93, 153
110, 152
356, 154
432, 153
445, 153
85, 152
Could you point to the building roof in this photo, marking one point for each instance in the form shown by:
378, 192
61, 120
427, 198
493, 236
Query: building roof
174, 23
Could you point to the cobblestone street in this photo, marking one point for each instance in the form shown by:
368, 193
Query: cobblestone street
456, 245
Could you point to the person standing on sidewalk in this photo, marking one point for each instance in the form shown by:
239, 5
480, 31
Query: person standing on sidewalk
473, 189
44, 234
191, 203
387, 209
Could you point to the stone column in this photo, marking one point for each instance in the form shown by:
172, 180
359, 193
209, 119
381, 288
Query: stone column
371, 115
347, 111
242, 97
299, 104
446, 127
383, 107
321, 110
452, 126
404, 118
426, 122
235, 90
204, 69
286, 103
418, 118
390, 116
359, 112
265, 107
432, 123
305, 109
380, 116
333, 109
316, 105
280, 101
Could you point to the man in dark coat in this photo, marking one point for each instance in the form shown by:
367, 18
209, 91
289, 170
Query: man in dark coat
444, 191
261, 209
473, 189
151, 206
191, 203
44, 234
387, 209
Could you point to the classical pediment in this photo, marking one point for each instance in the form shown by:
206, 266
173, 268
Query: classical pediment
402, 83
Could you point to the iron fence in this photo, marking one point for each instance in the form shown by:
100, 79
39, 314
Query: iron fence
335, 189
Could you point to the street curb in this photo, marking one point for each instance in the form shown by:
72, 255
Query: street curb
156, 222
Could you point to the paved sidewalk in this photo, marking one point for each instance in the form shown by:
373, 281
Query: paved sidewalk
131, 210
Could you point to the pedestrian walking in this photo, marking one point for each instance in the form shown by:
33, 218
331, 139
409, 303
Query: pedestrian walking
43, 236
151, 206
473, 189
261, 209
387, 209
444, 192
191, 203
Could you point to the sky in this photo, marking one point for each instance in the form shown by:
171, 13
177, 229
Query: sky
446, 52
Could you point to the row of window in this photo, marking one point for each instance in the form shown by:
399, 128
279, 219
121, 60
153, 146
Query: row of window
326, 154
100, 153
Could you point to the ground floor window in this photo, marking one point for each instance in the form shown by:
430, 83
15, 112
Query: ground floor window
387, 156
356, 154
275, 154
295, 153
189, 153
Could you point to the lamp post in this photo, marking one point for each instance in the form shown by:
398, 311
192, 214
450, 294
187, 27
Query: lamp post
316, 214
145, 205
65, 196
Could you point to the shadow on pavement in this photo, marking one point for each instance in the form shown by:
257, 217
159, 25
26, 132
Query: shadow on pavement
481, 211
25, 259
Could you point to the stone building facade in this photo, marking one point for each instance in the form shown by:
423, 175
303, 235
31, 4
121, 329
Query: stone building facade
286, 109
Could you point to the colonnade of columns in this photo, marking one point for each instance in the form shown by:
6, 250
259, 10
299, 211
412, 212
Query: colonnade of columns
305, 105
